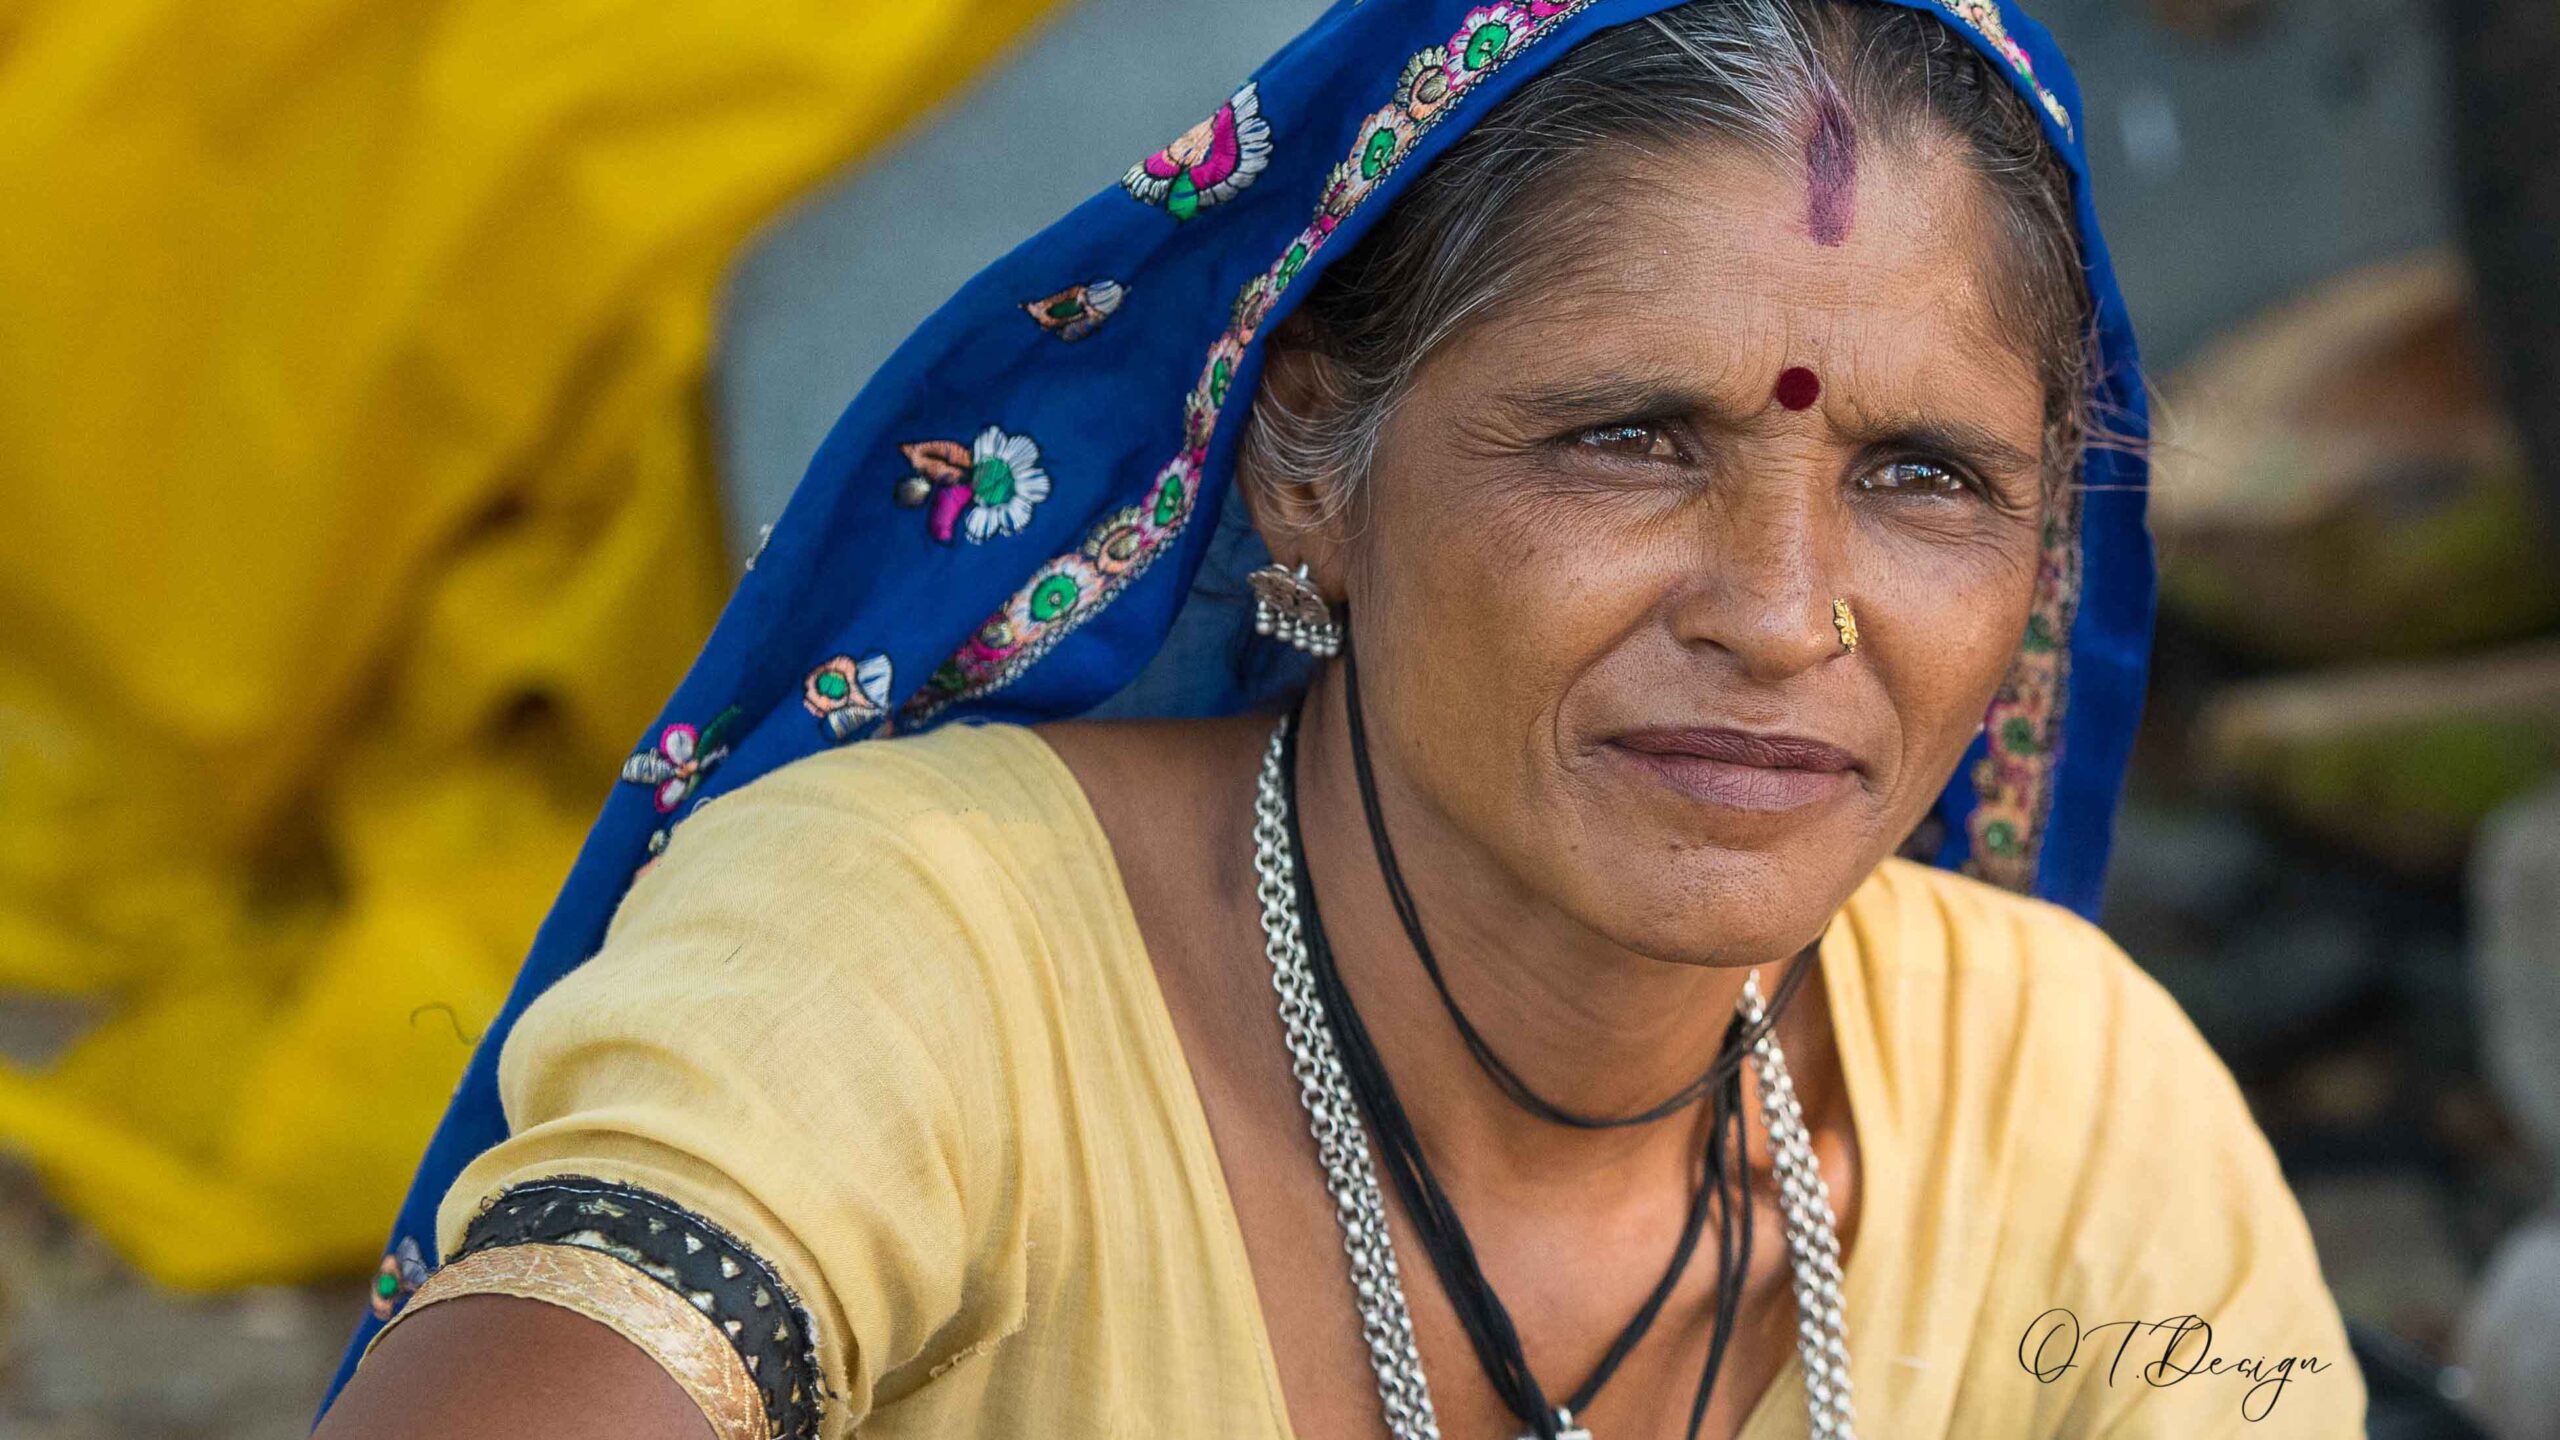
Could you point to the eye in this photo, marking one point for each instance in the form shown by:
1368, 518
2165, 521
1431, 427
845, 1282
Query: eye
1912, 476
1635, 439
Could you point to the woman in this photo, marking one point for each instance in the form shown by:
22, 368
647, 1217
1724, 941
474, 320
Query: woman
1666, 438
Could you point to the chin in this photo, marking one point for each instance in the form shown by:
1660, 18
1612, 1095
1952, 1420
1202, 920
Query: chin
1689, 901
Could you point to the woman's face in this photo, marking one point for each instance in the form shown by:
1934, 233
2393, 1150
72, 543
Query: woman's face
1594, 568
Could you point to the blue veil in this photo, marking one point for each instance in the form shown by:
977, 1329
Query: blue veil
1023, 516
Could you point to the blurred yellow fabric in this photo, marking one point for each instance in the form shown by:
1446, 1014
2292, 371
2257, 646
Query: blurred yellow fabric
358, 517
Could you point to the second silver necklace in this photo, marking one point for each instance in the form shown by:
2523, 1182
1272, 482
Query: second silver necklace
1342, 1147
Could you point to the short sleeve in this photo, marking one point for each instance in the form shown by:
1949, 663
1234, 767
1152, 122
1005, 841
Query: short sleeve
791, 1058
2186, 1298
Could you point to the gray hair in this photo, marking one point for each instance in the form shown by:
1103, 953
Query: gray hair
1477, 228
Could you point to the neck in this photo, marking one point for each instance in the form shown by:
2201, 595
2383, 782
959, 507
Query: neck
1593, 1027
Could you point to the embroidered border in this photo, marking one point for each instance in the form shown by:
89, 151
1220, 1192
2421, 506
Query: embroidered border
1983, 16
712, 1270
1073, 588
2013, 781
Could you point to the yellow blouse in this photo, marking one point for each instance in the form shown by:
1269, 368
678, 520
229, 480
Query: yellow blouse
885, 1019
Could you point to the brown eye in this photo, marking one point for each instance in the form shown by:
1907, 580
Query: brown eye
1913, 477
1643, 442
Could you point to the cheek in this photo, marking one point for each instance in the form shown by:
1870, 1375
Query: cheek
1486, 601
1941, 617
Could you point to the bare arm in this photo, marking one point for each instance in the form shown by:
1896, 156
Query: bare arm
495, 1367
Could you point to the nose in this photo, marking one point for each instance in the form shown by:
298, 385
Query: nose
1763, 589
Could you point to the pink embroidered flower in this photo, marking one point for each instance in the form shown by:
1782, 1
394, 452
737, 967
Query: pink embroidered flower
1209, 163
677, 764
985, 489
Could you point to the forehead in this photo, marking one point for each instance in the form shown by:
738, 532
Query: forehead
1731, 265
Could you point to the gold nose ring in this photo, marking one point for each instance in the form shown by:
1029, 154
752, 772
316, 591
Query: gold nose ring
1844, 620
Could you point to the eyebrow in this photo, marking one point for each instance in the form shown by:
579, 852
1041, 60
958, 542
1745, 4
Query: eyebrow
1613, 396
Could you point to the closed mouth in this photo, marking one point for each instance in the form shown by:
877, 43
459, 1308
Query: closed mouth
1742, 770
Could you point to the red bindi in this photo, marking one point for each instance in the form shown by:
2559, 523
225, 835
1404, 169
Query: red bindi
1798, 388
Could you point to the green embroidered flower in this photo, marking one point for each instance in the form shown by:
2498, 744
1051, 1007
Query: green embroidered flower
1169, 499
1487, 43
403, 1270
2000, 838
1291, 262
1078, 310
846, 694
2018, 735
2040, 639
991, 482
1378, 153
1005, 483
1053, 597
1221, 375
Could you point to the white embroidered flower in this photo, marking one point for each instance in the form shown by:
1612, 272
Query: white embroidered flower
1005, 483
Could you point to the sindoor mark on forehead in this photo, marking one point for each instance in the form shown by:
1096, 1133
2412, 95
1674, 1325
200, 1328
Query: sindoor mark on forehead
1831, 171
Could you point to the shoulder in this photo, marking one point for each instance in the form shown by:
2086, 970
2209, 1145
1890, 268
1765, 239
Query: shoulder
1928, 940
1933, 919
2054, 1114
2029, 1027
926, 886
819, 1022
873, 932
986, 781
981, 821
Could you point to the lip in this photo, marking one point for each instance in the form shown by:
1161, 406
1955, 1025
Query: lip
1741, 770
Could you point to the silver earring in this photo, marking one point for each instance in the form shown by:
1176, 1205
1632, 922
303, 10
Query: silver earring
1287, 604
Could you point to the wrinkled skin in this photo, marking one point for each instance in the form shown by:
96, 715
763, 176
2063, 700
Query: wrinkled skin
1593, 515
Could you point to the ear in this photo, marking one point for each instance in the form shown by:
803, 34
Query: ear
1303, 513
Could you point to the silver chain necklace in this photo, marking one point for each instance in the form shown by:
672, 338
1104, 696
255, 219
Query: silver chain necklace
1351, 1177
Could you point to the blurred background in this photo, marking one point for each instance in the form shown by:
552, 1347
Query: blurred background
366, 370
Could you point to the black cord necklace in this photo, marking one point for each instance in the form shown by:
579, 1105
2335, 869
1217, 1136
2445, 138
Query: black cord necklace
1490, 1331
1487, 1059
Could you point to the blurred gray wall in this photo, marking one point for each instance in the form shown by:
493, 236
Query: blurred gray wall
2230, 175
824, 296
